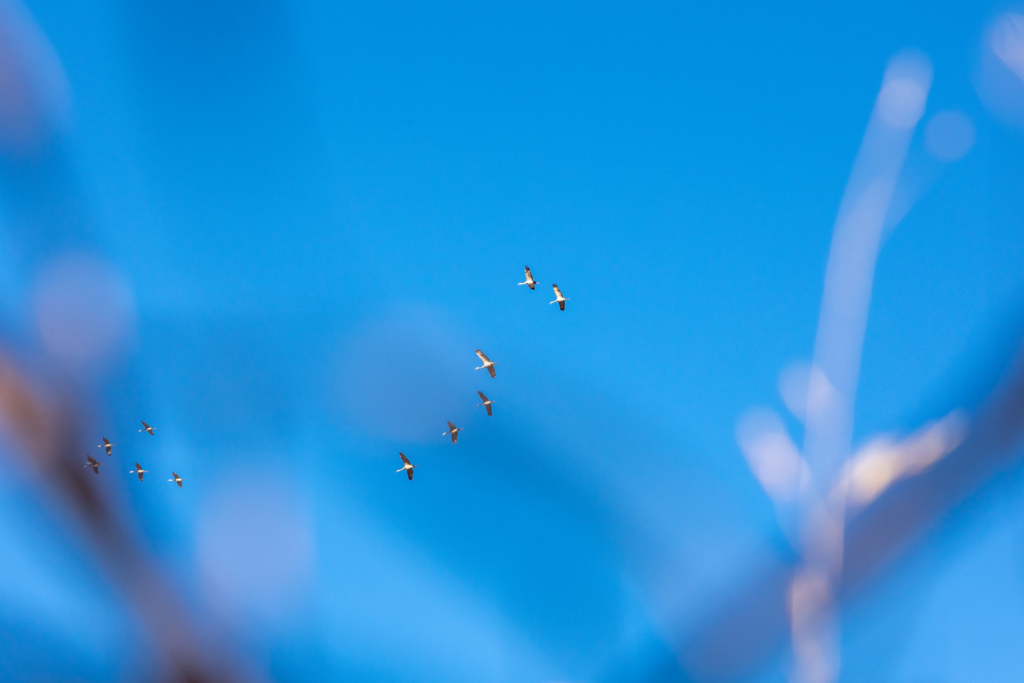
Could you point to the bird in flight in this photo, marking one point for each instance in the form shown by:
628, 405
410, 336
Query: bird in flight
107, 445
486, 402
408, 466
560, 300
530, 282
147, 429
176, 479
139, 471
453, 431
488, 364
93, 464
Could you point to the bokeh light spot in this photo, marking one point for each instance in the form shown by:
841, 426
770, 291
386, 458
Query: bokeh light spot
85, 310
949, 135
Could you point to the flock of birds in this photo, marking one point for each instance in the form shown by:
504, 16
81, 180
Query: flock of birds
407, 467
488, 365
94, 464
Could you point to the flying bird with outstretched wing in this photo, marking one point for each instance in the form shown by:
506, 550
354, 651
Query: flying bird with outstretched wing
488, 364
486, 402
107, 445
139, 471
454, 431
407, 467
147, 428
92, 462
560, 300
530, 282
176, 479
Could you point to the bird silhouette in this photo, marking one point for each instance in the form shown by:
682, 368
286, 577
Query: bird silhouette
408, 467
560, 300
530, 282
453, 431
486, 402
488, 364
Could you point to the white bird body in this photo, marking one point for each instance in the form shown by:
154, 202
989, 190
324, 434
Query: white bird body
107, 445
530, 282
486, 402
176, 479
139, 471
91, 462
488, 364
560, 300
407, 467
147, 428
454, 431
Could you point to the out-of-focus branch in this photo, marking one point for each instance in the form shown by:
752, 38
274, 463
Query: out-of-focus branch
43, 418
828, 431
922, 488
45, 429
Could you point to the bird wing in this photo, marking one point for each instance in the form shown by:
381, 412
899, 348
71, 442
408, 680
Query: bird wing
488, 407
96, 468
92, 461
451, 427
409, 472
558, 292
404, 459
483, 356
144, 424
139, 472
482, 397
490, 369
561, 305
529, 275
105, 442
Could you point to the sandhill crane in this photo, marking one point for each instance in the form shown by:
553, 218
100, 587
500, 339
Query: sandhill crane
93, 464
486, 402
176, 479
139, 471
560, 300
408, 467
147, 428
453, 431
530, 282
488, 364
107, 445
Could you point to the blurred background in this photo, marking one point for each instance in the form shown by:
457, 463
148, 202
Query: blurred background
277, 230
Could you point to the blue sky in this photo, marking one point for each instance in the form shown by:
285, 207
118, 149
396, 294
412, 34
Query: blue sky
322, 209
